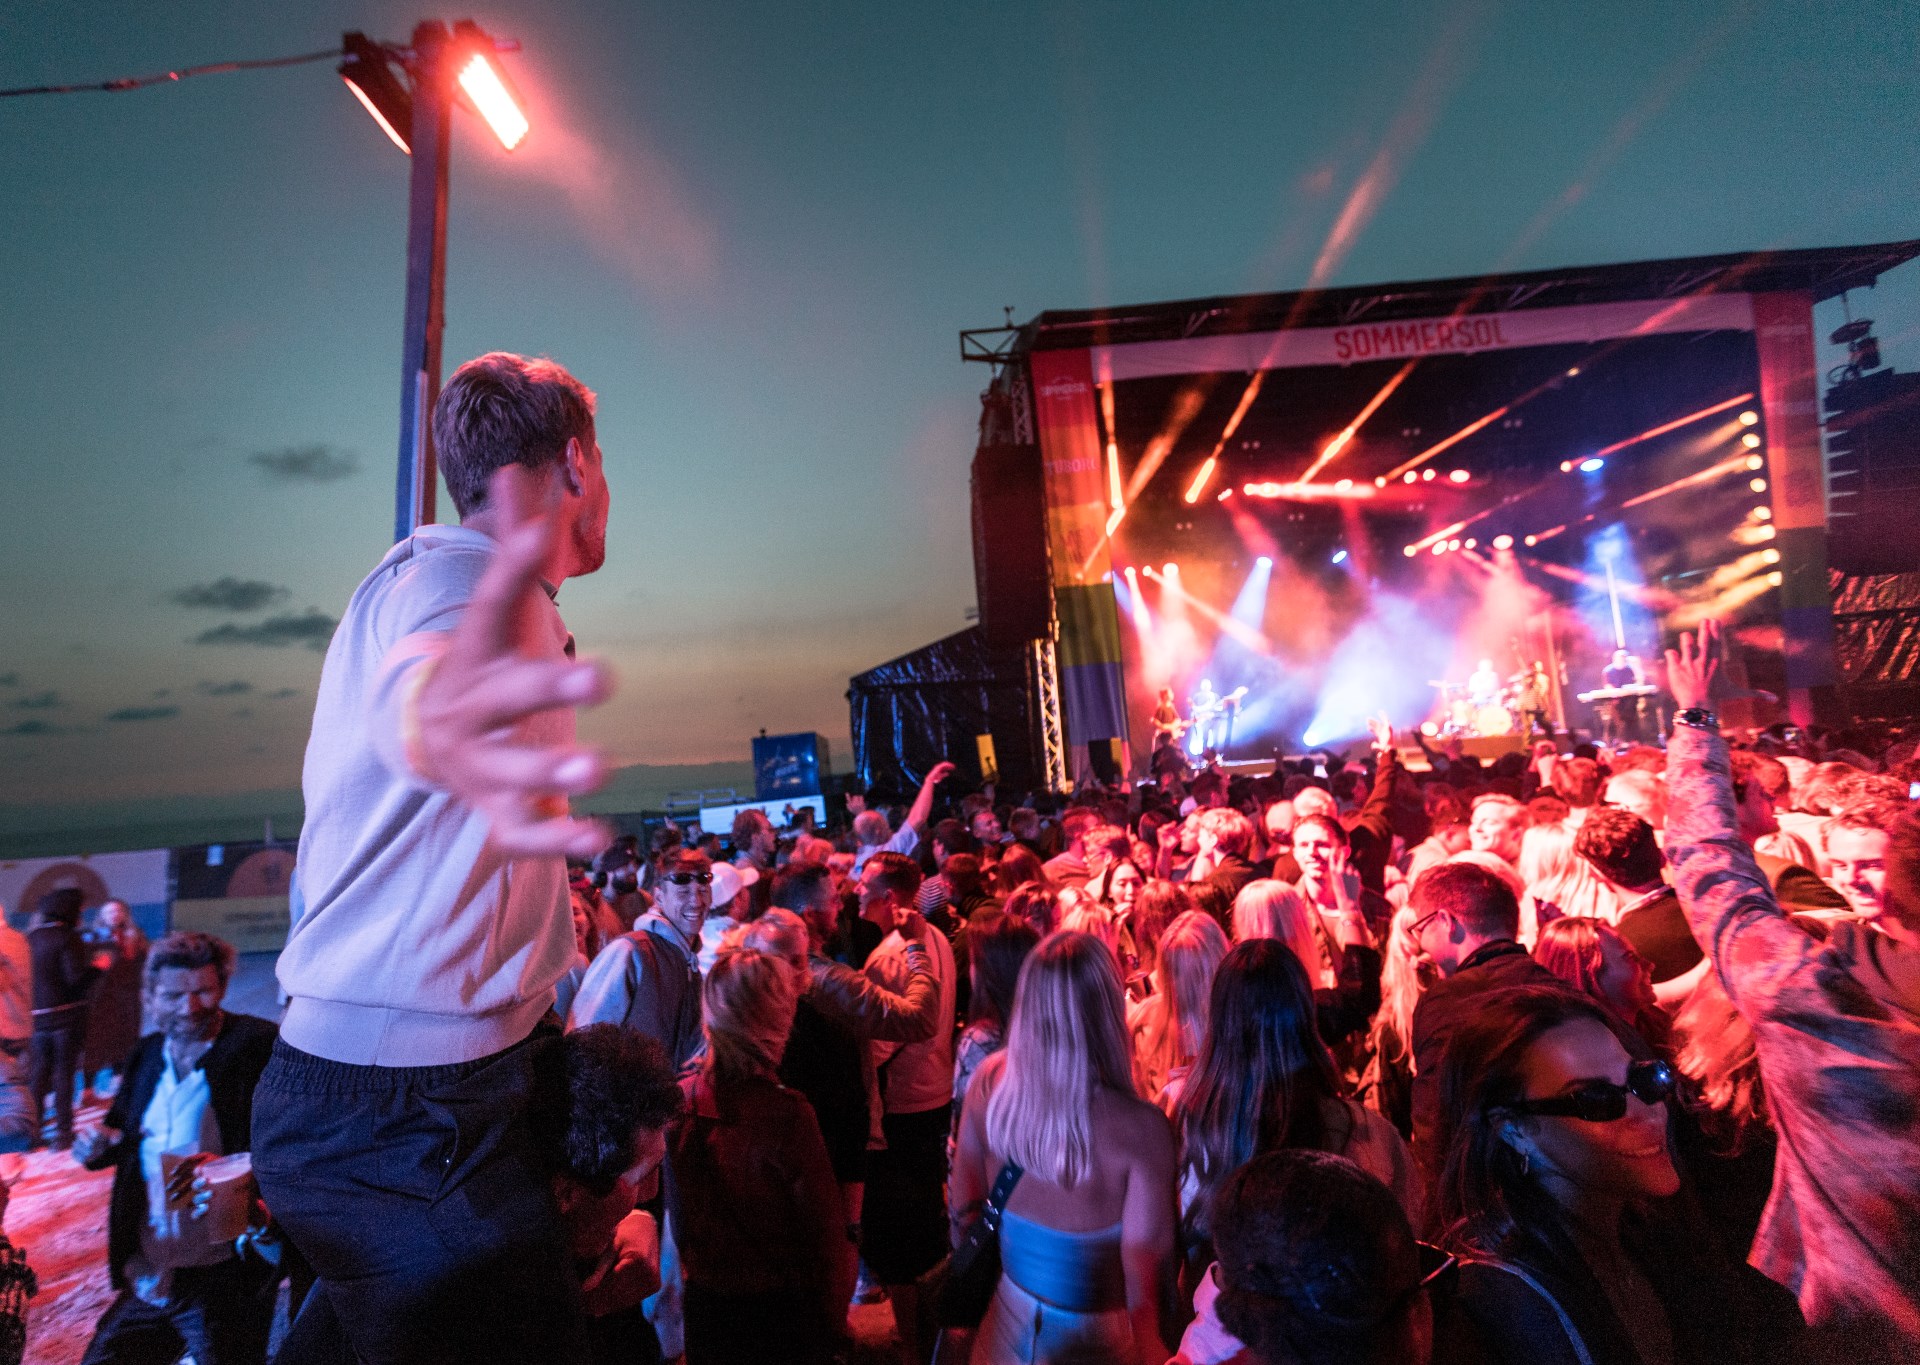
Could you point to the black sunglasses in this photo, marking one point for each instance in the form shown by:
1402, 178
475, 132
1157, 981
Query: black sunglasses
690, 878
1650, 1082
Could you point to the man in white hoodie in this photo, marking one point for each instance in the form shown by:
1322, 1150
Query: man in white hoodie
390, 1134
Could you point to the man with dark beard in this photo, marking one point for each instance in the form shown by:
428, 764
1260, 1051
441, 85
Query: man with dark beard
187, 1099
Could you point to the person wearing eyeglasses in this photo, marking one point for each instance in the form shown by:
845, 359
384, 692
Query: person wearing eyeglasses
1557, 1193
1465, 935
648, 979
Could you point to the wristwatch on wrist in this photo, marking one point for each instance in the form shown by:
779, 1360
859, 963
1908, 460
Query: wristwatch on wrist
1697, 718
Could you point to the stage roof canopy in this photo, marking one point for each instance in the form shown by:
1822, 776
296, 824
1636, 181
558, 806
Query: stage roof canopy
1824, 272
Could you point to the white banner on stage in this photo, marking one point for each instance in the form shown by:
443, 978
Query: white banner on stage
1412, 338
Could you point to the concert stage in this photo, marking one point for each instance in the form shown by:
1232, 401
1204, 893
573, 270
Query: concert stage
1453, 501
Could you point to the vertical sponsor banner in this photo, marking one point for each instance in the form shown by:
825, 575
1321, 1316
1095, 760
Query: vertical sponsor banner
1092, 680
1796, 478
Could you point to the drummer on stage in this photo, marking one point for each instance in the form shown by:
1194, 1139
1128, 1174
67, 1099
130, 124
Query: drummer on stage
1483, 686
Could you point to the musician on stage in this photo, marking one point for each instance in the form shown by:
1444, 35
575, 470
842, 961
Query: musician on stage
1483, 685
1530, 698
1165, 718
1165, 758
1205, 711
1620, 717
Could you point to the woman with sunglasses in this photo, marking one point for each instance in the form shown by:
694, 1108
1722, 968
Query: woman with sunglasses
1557, 1191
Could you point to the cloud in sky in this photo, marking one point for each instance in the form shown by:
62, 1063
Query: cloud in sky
282, 693
143, 713
37, 701
224, 689
32, 727
311, 628
228, 594
9, 679
306, 464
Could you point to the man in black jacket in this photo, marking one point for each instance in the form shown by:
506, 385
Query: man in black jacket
63, 973
187, 1098
1465, 928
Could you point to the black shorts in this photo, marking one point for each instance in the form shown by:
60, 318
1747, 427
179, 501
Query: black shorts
903, 1224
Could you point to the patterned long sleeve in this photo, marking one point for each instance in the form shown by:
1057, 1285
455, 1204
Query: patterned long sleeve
1837, 1030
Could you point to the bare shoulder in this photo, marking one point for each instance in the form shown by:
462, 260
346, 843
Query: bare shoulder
1138, 1128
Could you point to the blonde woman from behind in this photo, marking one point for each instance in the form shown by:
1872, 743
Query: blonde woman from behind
1169, 1025
1088, 1237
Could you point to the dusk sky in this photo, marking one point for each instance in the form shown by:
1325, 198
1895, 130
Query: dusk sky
755, 231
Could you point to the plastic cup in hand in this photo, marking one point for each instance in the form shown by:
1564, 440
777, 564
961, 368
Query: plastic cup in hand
229, 1182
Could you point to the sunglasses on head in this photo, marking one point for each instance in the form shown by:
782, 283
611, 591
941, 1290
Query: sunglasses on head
690, 878
1650, 1082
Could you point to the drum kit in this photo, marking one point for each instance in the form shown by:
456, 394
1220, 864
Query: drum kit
1468, 710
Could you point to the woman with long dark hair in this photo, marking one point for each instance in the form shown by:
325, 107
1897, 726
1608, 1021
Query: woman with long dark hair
1264, 1081
1557, 1189
997, 947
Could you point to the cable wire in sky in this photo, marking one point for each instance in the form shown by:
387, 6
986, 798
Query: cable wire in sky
166, 77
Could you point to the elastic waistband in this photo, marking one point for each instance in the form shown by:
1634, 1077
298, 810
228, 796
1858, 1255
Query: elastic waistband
390, 1038
302, 1070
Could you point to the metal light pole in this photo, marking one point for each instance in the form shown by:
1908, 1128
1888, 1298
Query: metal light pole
426, 315
419, 120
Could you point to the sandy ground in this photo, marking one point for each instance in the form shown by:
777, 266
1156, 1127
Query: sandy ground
58, 1216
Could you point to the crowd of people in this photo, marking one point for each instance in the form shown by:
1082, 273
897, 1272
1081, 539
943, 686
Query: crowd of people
1575, 1056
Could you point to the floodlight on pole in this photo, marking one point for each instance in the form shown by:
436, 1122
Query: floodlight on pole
417, 115
486, 85
368, 72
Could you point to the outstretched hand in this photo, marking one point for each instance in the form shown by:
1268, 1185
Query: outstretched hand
467, 726
1382, 729
1691, 668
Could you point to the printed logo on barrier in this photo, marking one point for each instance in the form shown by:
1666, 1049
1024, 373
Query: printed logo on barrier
1060, 390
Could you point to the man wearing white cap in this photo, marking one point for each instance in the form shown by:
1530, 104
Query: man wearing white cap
730, 906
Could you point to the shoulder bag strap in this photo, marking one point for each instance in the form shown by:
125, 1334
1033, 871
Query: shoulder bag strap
997, 1198
1526, 1277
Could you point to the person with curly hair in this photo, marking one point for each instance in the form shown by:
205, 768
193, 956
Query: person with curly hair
1317, 1266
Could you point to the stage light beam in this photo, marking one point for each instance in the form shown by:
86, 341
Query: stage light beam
1202, 478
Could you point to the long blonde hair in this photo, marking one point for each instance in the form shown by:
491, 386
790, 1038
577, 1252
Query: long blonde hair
1400, 987
1172, 1022
1066, 1041
1546, 852
749, 999
1270, 909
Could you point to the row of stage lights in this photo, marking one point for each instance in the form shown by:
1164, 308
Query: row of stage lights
1754, 461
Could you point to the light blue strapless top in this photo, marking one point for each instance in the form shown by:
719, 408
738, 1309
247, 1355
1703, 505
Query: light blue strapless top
1079, 1272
